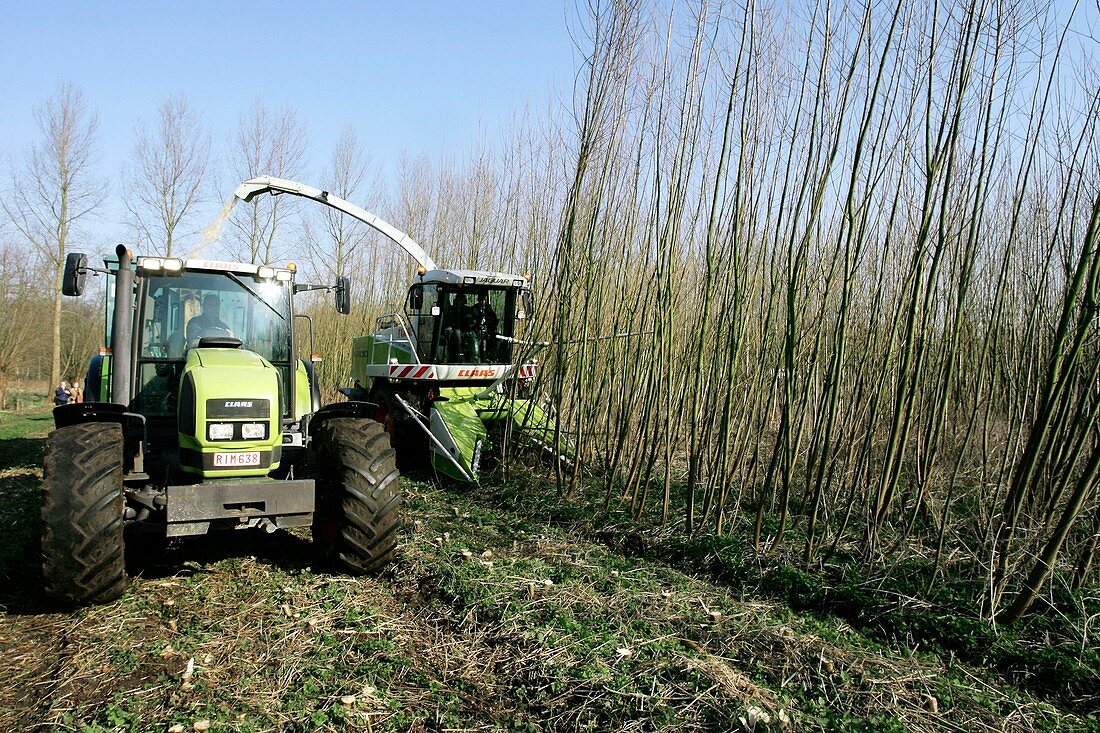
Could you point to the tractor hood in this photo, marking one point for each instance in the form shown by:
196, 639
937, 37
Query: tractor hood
229, 408
227, 358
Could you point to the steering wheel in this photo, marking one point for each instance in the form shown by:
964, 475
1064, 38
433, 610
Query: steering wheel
210, 332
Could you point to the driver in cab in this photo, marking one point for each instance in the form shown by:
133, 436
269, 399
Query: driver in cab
208, 322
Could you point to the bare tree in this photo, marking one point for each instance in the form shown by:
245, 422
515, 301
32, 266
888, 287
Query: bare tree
344, 177
337, 247
55, 189
17, 291
168, 168
264, 144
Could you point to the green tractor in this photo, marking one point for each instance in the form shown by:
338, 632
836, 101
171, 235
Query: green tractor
201, 416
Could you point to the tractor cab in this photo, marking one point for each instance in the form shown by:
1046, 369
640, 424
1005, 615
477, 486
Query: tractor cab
212, 365
194, 307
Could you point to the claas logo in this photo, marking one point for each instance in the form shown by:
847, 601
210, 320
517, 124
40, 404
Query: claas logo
476, 372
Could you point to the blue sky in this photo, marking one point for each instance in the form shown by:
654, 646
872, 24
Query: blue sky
422, 77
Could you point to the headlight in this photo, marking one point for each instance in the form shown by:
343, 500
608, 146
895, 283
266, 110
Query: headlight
265, 273
284, 276
173, 264
219, 431
253, 430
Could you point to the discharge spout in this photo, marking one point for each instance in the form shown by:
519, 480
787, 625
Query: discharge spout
260, 185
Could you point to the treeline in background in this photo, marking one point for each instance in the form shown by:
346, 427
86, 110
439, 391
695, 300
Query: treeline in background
854, 247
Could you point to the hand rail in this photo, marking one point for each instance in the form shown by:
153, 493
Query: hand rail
398, 321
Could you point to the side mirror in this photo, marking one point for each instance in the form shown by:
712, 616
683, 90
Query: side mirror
76, 269
528, 305
343, 295
416, 297
342, 290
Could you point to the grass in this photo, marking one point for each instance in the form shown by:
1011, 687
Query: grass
1046, 655
22, 437
494, 617
26, 398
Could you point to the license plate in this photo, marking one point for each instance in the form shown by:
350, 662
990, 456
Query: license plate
232, 460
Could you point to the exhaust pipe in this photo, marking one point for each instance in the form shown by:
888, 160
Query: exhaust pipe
122, 328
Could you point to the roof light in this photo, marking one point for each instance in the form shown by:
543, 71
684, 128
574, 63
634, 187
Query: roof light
265, 273
517, 283
291, 266
151, 263
284, 276
421, 270
468, 280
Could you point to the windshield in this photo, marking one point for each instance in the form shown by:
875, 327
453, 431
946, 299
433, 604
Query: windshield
179, 311
459, 324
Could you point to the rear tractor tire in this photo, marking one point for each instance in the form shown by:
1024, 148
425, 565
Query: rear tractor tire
83, 552
357, 514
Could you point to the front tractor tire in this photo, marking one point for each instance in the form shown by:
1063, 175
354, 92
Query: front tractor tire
357, 513
83, 552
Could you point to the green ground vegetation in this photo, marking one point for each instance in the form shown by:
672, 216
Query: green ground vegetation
506, 610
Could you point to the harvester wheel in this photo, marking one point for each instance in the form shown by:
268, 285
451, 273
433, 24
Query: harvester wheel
83, 552
358, 495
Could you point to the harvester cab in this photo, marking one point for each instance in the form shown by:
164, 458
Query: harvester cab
201, 416
450, 376
461, 321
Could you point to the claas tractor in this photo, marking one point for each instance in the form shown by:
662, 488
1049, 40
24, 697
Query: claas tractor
201, 416
451, 376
